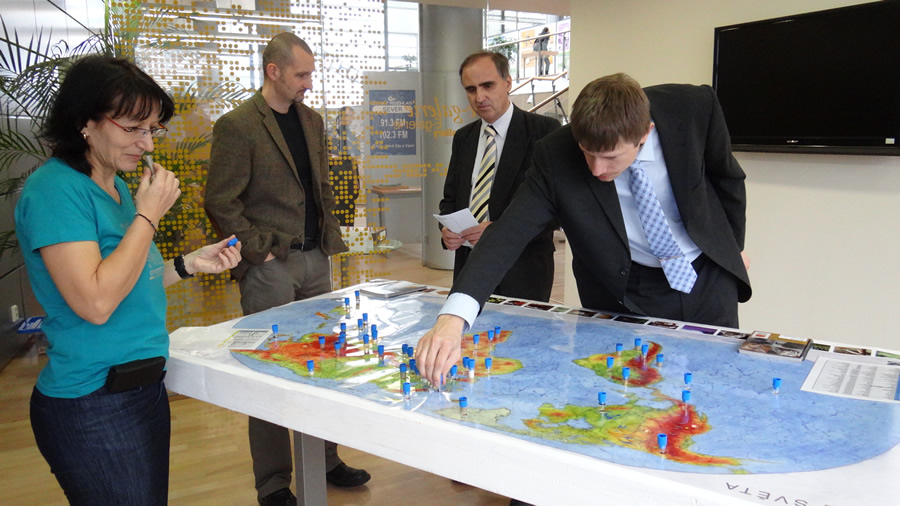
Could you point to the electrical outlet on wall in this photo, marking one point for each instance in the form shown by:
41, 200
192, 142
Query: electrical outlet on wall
14, 313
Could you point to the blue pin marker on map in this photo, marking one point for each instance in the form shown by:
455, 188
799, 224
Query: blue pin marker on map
343, 326
637, 343
601, 399
232, 242
688, 378
275, 328
453, 371
374, 330
407, 389
475, 339
359, 324
381, 351
490, 334
310, 366
410, 350
337, 347
463, 406
776, 385
347, 304
619, 348
365, 319
466, 363
626, 372
644, 349
610, 361
356, 293
497, 331
412, 366
662, 440
659, 359
403, 349
322, 342
403, 370
685, 396
366, 339
488, 362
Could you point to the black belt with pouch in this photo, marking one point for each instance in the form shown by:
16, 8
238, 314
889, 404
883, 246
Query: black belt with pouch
137, 373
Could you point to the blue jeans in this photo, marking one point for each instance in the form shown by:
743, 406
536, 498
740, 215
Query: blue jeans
107, 448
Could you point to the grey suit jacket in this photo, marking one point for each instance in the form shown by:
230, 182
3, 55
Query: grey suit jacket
707, 182
253, 189
531, 277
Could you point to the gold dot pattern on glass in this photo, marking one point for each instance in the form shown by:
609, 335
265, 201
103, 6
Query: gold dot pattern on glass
208, 57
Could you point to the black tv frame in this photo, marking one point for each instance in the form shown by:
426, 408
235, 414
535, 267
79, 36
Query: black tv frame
785, 144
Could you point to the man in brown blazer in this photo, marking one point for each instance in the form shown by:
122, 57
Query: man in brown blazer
268, 185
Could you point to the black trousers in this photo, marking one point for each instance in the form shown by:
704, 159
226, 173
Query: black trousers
713, 299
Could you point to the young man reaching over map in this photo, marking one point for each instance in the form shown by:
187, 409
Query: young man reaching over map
665, 239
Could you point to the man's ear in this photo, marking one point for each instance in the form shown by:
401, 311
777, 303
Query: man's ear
272, 72
646, 135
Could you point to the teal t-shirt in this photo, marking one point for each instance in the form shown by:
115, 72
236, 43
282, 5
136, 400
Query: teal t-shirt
59, 204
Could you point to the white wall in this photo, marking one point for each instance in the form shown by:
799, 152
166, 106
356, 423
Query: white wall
821, 266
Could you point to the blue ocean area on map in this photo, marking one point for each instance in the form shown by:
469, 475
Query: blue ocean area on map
548, 394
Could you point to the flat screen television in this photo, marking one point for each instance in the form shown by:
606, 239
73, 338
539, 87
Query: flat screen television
821, 82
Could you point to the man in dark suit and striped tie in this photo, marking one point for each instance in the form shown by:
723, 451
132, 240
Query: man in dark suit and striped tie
487, 165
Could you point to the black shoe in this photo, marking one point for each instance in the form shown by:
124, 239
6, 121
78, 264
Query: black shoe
282, 497
345, 476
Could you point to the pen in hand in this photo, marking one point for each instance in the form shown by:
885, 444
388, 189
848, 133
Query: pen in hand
148, 159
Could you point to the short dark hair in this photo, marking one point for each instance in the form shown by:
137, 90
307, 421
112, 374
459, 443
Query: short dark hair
610, 109
93, 88
500, 61
280, 51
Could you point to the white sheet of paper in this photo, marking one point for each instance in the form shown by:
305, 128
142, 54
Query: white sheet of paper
458, 221
856, 380
217, 336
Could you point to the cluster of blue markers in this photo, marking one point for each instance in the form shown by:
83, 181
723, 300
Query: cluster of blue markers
661, 439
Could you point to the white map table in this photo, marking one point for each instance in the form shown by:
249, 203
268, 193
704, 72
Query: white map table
533, 429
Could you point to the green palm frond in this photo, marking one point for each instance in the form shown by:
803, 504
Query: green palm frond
12, 185
8, 242
16, 146
191, 144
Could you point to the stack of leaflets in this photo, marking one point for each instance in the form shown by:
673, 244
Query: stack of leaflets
767, 344
386, 288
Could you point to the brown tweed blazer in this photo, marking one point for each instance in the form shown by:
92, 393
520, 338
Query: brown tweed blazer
253, 189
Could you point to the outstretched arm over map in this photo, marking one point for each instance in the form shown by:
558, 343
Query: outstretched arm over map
529, 214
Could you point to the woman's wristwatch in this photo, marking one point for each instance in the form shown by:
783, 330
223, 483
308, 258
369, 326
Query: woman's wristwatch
179, 268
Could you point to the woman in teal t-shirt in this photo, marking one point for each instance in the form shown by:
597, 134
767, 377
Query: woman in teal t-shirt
99, 411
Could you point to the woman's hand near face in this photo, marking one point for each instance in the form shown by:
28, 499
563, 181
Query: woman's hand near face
154, 197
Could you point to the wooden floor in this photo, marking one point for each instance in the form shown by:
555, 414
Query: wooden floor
210, 457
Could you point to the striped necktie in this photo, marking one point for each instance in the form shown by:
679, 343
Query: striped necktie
679, 272
482, 191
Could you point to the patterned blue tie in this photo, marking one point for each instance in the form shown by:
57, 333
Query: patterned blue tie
678, 270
